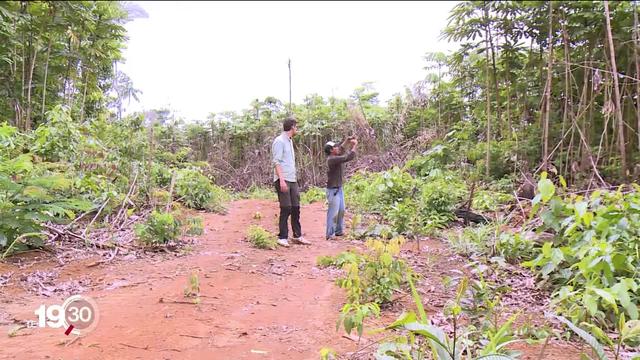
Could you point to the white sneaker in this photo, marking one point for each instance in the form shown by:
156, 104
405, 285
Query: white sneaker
301, 240
283, 242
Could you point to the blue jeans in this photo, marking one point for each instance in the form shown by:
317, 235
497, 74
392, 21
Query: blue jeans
335, 213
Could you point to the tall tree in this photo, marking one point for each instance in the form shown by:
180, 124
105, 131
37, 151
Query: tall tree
616, 93
547, 93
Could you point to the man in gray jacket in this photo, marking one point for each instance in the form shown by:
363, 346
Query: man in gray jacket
286, 184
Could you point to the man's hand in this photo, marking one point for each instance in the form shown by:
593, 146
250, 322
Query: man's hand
354, 142
283, 186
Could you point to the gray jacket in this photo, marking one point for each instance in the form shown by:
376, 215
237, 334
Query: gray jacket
283, 155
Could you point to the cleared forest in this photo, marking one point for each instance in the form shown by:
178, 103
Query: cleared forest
492, 211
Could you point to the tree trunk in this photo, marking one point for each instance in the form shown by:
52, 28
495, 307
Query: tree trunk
23, 74
46, 73
29, 83
637, 61
84, 93
547, 96
488, 96
68, 71
568, 106
495, 73
616, 94
439, 106
508, 85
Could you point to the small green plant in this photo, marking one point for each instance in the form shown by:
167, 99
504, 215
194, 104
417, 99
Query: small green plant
424, 339
192, 290
354, 224
257, 215
404, 217
195, 226
472, 240
261, 238
383, 272
160, 228
327, 354
514, 247
353, 314
373, 276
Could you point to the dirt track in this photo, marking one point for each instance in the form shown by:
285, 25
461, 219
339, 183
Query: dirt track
256, 304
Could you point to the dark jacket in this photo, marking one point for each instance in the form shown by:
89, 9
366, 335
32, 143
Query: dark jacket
335, 165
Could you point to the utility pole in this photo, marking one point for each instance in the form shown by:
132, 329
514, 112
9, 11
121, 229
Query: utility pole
290, 87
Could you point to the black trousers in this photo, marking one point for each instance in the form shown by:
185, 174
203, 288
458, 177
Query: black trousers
289, 205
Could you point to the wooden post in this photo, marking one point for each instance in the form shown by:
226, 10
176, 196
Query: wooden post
290, 109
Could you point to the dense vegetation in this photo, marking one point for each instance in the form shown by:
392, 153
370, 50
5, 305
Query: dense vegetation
544, 93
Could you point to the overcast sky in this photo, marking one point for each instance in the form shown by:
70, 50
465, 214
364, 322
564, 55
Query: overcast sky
203, 57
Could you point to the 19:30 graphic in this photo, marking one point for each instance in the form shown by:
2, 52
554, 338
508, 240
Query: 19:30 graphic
78, 315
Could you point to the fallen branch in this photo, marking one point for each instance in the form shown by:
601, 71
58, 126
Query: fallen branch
113, 255
84, 233
168, 301
122, 212
520, 205
136, 347
78, 218
72, 341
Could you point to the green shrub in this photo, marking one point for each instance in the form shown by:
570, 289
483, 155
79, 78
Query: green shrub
410, 205
502, 157
218, 200
159, 197
27, 199
379, 192
257, 193
160, 228
439, 195
404, 216
312, 195
197, 192
261, 238
59, 138
593, 261
490, 200
161, 175
435, 158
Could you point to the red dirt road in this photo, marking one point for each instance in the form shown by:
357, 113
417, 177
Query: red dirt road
255, 304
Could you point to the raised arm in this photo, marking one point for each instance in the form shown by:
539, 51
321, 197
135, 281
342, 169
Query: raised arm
348, 156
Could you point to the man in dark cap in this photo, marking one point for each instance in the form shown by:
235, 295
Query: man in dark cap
337, 155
